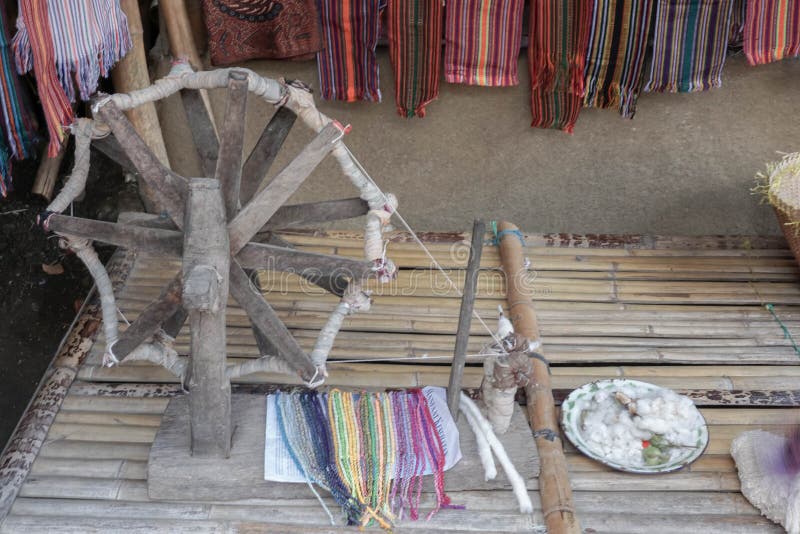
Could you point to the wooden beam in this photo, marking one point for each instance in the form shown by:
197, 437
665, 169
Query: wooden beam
465, 317
274, 258
229, 160
554, 487
264, 205
328, 210
151, 240
267, 322
160, 183
151, 318
206, 263
110, 147
262, 156
202, 128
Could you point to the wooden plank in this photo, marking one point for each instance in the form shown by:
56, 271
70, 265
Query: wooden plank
259, 210
266, 321
202, 127
263, 154
317, 212
206, 263
150, 240
465, 318
263, 256
159, 182
229, 160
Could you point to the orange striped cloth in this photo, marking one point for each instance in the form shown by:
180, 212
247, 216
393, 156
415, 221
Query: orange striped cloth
771, 30
415, 48
482, 41
559, 40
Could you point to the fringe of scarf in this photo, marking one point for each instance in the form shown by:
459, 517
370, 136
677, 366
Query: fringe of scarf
415, 48
347, 65
559, 31
690, 44
482, 42
617, 45
771, 30
68, 43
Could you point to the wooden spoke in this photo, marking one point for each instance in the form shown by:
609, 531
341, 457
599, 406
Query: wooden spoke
328, 210
259, 210
203, 132
229, 159
110, 147
269, 144
270, 257
151, 240
267, 322
151, 318
163, 187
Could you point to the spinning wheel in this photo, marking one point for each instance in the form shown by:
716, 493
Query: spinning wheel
214, 225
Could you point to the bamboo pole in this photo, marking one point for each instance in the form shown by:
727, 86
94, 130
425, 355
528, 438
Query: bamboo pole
554, 486
47, 174
131, 74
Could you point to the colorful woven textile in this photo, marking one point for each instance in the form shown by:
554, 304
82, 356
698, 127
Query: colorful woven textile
559, 37
17, 123
738, 16
348, 69
369, 450
239, 30
771, 30
415, 48
482, 41
690, 42
617, 45
68, 44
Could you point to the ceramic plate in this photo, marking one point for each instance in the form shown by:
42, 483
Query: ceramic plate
572, 414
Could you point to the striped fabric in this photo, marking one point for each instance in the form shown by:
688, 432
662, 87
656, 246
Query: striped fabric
689, 45
617, 45
68, 43
348, 69
559, 38
482, 42
415, 48
771, 30
17, 123
738, 17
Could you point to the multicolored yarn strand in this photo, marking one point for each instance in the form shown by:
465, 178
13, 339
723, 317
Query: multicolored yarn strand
68, 43
482, 42
347, 66
369, 450
415, 48
617, 46
771, 30
689, 45
17, 122
559, 39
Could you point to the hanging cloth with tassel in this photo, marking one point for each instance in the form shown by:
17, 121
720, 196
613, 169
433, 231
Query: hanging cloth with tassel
68, 44
19, 125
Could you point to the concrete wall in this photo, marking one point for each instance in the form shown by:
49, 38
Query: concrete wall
684, 165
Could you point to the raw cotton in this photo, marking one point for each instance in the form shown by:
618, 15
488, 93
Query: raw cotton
559, 38
689, 45
17, 121
482, 42
348, 68
617, 46
415, 48
771, 30
239, 30
68, 44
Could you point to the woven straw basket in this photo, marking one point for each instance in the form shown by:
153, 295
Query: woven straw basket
783, 192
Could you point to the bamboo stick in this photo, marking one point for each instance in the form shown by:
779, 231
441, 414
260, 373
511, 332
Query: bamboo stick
47, 174
555, 490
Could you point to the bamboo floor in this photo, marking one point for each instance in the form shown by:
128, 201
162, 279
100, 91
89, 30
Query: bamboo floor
684, 313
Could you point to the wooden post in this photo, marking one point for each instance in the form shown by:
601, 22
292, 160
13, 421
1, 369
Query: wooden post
47, 174
556, 493
206, 262
465, 317
131, 74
